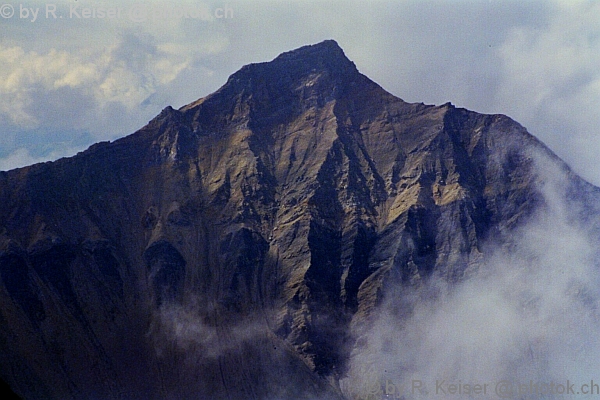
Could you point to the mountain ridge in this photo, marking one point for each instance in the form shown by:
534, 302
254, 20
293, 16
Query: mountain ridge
266, 221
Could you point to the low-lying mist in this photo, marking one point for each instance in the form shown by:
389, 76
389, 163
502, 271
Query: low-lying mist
524, 326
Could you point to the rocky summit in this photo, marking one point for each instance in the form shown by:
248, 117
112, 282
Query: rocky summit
239, 246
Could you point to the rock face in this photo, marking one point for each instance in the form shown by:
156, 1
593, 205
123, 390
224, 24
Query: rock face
233, 248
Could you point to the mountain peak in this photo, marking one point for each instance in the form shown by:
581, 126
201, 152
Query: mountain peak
292, 68
309, 76
323, 55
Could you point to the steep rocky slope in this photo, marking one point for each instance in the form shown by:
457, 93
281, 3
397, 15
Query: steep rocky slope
235, 247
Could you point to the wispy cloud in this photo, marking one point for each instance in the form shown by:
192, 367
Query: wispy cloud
66, 89
551, 82
526, 317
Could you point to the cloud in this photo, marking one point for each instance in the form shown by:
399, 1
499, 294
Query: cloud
99, 79
99, 93
528, 315
551, 82
61, 89
188, 328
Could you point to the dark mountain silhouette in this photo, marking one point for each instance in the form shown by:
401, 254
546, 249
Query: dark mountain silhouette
236, 247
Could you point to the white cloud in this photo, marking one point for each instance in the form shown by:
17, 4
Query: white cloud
530, 314
126, 73
551, 82
103, 77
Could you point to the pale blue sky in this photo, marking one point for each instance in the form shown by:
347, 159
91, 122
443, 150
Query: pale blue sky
69, 81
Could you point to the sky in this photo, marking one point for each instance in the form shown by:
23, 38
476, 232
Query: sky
73, 73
